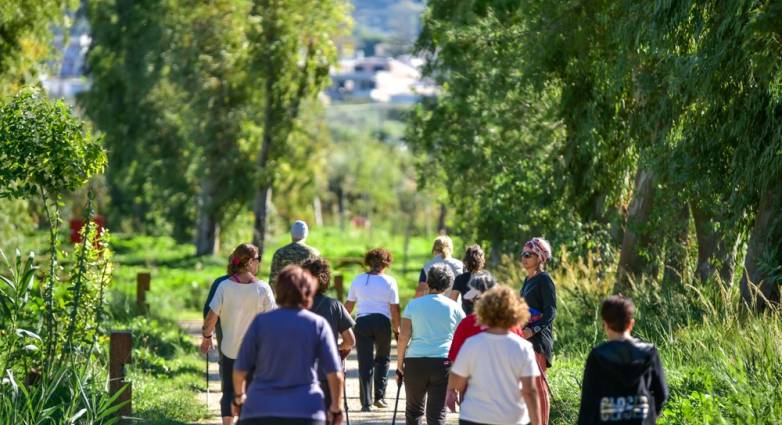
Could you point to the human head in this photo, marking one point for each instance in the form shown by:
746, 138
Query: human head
299, 231
536, 252
443, 246
501, 307
244, 258
320, 269
295, 287
439, 278
378, 259
617, 312
474, 258
479, 283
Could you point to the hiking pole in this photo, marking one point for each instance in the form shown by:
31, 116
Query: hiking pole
345, 391
399, 377
207, 379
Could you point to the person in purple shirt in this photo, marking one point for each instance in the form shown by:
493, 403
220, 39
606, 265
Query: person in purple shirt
284, 348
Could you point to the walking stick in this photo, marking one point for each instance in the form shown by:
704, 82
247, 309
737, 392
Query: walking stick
399, 377
207, 379
345, 392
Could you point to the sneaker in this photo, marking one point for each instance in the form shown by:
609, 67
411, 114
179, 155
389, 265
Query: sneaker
365, 409
380, 403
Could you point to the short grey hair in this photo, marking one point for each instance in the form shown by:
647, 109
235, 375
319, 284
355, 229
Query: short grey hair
440, 277
299, 230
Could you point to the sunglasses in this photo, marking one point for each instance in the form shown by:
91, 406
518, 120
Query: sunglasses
528, 254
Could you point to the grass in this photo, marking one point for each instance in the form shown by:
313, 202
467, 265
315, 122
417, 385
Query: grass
721, 361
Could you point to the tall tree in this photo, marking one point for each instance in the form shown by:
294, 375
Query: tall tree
133, 101
292, 49
208, 61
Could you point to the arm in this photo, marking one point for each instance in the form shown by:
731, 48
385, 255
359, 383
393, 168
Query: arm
457, 384
529, 392
420, 290
348, 340
349, 306
548, 294
239, 378
207, 331
395, 318
336, 381
454, 295
405, 333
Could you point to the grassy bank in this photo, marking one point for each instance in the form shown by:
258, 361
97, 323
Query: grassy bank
721, 361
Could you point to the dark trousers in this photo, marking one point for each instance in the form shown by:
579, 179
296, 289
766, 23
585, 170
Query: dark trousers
426, 382
226, 378
373, 347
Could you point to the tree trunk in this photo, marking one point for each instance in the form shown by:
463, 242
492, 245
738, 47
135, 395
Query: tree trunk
717, 247
676, 252
632, 264
341, 208
759, 287
441, 219
261, 210
317, 211
207, 226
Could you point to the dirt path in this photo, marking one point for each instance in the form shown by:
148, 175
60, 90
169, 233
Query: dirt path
376, 417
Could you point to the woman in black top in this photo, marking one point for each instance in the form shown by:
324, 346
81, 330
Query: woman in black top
474, 260
541, 296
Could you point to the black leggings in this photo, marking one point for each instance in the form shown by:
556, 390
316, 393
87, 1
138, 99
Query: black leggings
270, 420
426, 382
226, 377
373, 333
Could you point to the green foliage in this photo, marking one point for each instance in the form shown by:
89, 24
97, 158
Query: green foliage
25, 42
561, 104
719, 358
43, 147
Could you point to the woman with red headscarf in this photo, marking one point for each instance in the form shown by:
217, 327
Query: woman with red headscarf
540, 294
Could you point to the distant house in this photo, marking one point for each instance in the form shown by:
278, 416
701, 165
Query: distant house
378, 79
67, 79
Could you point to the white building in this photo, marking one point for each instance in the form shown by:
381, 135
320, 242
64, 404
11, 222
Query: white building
378, 79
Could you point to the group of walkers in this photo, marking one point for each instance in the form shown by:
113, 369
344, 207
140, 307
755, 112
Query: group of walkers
463, 340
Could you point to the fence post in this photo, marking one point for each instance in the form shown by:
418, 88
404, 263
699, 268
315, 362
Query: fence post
339, 286
142, 286
120, 347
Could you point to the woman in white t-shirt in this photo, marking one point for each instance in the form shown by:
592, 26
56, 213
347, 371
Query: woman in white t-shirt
494, 371
236, 302
377, 297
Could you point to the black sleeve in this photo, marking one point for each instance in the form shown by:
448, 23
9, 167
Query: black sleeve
548, 296
659, 386
589, 393
212, 291
422, 276
460, 283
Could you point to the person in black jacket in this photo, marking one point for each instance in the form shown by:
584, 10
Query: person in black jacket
624, 382
540, 294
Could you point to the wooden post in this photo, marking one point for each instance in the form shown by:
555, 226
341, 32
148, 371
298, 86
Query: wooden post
339, 286
142, 286
120, 347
